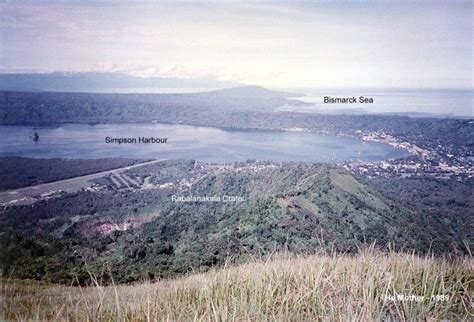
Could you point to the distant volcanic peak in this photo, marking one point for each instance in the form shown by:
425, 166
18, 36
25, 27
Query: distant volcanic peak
252, 91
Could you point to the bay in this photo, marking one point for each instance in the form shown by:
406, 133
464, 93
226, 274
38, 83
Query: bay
188, 142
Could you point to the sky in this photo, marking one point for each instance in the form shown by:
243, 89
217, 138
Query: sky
357, 44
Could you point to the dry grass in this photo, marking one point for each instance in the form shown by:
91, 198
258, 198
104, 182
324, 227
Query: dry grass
336, 287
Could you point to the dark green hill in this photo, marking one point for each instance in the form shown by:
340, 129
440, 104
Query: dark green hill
143, 233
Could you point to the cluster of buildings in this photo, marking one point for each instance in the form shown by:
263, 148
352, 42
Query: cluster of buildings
434, 162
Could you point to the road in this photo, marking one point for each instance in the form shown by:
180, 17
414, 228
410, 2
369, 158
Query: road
29, 195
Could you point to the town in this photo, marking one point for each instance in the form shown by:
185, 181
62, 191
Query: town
435, 162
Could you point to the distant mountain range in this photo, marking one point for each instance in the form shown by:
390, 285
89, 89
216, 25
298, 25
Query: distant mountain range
90, 82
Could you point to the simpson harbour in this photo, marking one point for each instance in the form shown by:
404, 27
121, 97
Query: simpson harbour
112, 140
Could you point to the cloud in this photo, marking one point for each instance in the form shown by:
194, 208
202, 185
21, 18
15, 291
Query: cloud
408, 44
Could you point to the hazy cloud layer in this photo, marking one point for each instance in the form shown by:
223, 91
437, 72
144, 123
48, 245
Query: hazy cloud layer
354, 44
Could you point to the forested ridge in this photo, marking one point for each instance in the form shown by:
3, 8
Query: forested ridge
143, 234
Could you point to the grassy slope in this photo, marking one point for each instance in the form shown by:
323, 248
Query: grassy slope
338, 287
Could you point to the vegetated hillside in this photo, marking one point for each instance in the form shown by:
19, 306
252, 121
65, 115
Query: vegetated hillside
363, 287
18, 172
41, 108
143, 234
450, 203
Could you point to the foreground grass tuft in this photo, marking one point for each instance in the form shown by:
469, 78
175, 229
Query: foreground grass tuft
366, 286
